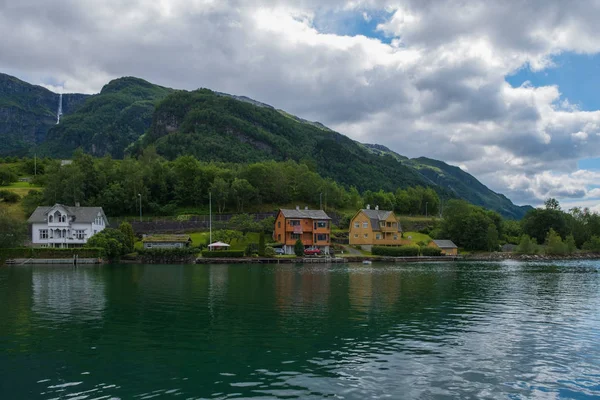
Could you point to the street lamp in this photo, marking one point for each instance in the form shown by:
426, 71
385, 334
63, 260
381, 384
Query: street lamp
140, 196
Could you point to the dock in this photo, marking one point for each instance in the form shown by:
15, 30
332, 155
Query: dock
268, 260
57, 261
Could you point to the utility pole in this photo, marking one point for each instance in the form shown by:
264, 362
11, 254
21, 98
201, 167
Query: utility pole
209, 218
426, 208
140, 196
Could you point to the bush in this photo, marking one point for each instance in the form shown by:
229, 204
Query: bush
593, 244
269, 251
402, 251
48, 252
223, 254
431, 251
527, 245
554, 243
299, 248
9, 197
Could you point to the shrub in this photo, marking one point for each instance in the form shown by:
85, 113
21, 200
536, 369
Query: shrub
593, 244
299, 248
223, 254
431, 251
9, 197
269, 251
527, 245
554, 243
402, 251
48, 252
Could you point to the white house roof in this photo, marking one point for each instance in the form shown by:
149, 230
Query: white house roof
81, 214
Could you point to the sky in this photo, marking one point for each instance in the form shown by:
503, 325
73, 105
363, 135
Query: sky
505, 89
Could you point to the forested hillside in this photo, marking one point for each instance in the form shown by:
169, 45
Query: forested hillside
27, 112
108, 122
131, 114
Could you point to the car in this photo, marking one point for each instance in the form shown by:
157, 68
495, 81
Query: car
279, 250
312, 251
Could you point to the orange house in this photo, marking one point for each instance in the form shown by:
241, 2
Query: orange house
312, 227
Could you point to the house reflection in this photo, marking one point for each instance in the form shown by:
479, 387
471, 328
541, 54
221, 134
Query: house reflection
60, 293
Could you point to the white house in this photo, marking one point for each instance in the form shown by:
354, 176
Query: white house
65, 226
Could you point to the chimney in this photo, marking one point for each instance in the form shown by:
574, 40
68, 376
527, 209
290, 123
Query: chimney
306, 207
298, 208
376, 207
368, 206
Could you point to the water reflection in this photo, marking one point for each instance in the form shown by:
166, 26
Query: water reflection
65, 293
402, 331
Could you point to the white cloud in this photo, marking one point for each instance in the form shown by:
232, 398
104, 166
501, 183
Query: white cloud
437, 89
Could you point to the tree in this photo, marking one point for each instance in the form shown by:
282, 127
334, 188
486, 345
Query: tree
243, 192
261, 244
244, 223
526, 245
111, 241
7, 176
552, 204
32, 200
536, 223
13, 231
220, 190
492, 238
554, 243
570, 243
299, 248
129, 235
593, 244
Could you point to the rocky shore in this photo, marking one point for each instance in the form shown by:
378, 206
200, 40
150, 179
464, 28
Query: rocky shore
498, 256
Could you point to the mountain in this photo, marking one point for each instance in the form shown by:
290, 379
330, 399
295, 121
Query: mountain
130, 114
28, 112
466, 186
108, 122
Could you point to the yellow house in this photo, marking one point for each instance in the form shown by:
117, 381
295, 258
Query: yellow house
375, 228
447, 246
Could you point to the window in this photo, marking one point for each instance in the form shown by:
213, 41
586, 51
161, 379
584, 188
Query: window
356, 235
95, 231
295, 236
395, 237
321, 237
294, 222
366, 235
357, 224
365, 224
80, 234
378, 236
43, 233
321, 224
50, 218
279, 224
279, 237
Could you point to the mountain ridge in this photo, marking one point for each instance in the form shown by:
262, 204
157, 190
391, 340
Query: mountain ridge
130, 114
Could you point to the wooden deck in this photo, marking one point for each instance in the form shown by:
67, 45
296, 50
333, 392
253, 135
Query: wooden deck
57, 261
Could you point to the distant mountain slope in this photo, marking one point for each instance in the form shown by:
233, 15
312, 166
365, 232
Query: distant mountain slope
130, 114
108, 122
27, 112
466, 186
213, 127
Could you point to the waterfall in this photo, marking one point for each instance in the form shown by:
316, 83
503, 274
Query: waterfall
59, 113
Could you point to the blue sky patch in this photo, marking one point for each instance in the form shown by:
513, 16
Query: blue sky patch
589, 163
353, 23
576, 75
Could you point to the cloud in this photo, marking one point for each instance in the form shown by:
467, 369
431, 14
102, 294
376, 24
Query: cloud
437, 89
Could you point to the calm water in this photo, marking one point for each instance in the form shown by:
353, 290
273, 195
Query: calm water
427, 331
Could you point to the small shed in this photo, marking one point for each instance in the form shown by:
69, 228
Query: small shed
447, 246
166, 241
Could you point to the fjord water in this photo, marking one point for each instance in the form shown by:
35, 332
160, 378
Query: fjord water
455, 330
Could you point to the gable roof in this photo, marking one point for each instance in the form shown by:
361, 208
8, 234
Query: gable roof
167, 239
375, 216
310, 214
81, 214
445, 244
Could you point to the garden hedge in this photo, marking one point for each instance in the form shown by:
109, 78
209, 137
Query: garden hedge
48, 252
223, 254
401, 251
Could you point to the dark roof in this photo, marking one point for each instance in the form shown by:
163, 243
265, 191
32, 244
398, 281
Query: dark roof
167, 238
375, 216
445, 244
311, 214
81, 214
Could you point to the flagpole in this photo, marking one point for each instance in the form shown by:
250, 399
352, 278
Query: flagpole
210, 217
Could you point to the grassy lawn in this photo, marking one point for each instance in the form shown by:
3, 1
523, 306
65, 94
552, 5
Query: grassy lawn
21, 185
417, 237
